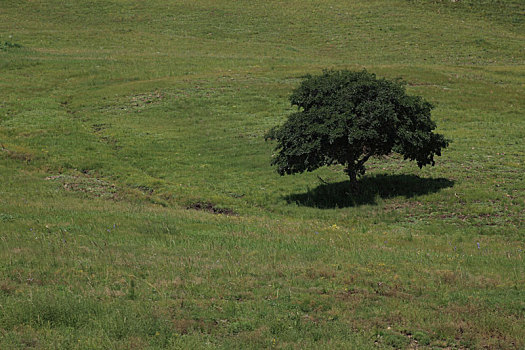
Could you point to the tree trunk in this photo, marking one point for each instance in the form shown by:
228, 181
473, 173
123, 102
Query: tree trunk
352, 174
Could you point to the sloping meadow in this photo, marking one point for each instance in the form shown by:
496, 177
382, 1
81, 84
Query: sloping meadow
138, 208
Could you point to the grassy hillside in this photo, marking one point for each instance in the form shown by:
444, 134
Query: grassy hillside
138, 208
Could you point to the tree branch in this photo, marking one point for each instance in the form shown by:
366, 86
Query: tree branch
363, 160
323, 181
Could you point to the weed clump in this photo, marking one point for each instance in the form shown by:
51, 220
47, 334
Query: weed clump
6, 45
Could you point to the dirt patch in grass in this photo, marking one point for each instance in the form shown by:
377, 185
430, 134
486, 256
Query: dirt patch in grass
91, 186
316, 273
185, 326
409, 205
99, 127
142, 100
17, 154
211, 208
7, 288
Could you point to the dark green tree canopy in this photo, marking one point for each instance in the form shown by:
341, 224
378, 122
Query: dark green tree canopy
346, 117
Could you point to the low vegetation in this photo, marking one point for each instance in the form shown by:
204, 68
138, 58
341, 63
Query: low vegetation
139, 210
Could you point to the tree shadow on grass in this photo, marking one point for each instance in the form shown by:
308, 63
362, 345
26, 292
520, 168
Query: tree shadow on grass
339, 194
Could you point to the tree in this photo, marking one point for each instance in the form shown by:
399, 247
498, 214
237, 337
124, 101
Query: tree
346, 117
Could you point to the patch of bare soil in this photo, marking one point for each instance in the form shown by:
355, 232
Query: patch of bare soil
211, 208
89, 185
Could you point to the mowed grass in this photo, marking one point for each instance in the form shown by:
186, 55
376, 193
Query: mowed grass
118, 116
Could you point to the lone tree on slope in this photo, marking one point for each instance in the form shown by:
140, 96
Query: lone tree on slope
346, 117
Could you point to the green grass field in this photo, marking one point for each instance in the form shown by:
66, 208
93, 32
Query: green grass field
138, 209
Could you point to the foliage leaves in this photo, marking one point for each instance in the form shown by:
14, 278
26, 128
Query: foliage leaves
346, 117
